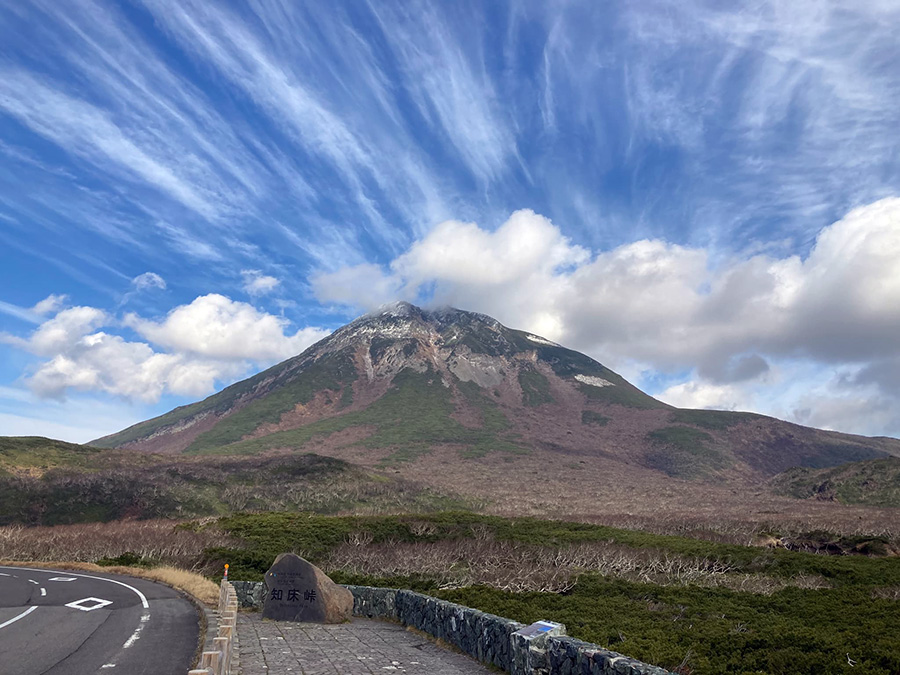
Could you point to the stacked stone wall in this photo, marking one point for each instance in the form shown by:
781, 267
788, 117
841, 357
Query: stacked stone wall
482, 636
568, 656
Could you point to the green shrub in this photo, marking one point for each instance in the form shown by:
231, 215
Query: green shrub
535, 387
684, 452
715, 420
127, 559
591, 417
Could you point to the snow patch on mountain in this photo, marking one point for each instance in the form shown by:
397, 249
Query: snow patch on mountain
540, 340
593, 380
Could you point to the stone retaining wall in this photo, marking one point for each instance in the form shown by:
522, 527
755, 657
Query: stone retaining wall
482, 636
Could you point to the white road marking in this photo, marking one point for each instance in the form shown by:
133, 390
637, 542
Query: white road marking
16, 618
145, 617
144, 603
43, 592
97, 604
32, 581
4, 574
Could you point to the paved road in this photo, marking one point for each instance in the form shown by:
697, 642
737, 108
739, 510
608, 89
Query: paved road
361, 647
81, 623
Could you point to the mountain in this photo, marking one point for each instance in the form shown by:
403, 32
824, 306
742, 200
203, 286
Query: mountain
398, 385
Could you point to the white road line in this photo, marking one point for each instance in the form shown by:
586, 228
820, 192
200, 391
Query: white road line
32, 581
145, 617
4, 574
16, 618
43, 592
144, 603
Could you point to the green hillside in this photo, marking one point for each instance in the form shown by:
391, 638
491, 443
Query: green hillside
872, 483
414, 414
30, 454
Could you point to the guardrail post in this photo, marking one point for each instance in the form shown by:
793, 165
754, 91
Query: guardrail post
224, 646
210, 661
218, 662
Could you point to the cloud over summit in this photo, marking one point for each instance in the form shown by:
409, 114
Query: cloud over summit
660, 306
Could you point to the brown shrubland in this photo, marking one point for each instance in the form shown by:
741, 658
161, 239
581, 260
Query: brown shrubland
158, 540
519, 567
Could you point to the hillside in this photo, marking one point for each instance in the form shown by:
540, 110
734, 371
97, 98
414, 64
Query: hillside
46, 482
872, 483
34, 455
406, 385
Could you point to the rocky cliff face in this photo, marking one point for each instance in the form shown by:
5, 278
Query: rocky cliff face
402, 381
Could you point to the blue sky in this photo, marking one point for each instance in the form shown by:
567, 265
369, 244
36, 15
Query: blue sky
703, 196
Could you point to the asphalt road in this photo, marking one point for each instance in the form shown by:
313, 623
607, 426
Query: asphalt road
81, 623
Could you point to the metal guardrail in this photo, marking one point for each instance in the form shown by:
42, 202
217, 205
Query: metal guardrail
218, 661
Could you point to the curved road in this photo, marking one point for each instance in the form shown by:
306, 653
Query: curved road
56, 622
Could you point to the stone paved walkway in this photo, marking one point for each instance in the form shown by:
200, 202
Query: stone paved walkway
361, 646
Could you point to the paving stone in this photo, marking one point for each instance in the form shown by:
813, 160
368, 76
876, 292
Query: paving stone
363, 647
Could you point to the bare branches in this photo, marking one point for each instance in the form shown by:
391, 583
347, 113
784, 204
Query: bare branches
158, 540
518, 567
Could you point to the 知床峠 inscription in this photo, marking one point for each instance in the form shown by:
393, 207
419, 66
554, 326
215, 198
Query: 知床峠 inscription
297, 590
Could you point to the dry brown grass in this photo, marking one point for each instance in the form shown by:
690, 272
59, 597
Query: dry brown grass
202, 589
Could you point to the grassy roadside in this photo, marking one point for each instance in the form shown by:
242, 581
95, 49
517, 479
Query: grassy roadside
199, 587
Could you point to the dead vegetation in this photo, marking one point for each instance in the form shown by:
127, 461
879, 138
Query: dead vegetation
517, 567
160, 541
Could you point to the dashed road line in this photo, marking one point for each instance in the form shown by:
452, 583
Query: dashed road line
145, 617
43, 592
32, 581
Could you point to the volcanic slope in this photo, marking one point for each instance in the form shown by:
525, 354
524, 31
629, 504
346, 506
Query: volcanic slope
400, 384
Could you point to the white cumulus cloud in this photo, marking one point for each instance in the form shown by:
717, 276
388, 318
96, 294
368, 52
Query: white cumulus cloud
211, 340
654, 305
257, 283
52, 303
215, 326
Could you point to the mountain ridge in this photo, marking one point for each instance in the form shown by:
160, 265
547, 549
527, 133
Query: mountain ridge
404, 380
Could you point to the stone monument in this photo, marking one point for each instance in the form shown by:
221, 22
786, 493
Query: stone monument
297, 590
